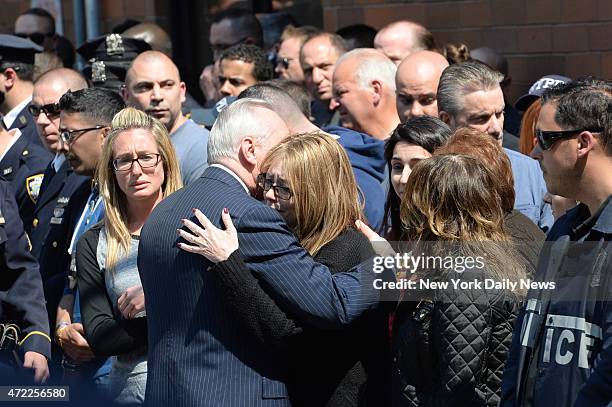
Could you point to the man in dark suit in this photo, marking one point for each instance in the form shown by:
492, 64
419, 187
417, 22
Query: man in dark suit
22, 304
16, 74
59, 181
199, 355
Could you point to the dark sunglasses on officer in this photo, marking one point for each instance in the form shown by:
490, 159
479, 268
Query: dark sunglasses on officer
51, 109
546, 139
37, 38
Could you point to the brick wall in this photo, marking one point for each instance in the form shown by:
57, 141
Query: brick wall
570, 37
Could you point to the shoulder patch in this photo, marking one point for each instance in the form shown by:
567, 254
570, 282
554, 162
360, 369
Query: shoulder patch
33, 184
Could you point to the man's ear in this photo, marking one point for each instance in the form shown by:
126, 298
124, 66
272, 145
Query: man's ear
104, 133
11, 76
586, 143
445, 117
377, 90
246, 151
124, 93
183, 89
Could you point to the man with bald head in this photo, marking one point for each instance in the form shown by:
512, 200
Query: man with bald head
152, 34
364, 92
153, 84
402, 38
416, 83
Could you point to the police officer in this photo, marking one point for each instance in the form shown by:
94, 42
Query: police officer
110, 57
16, 73
22, 163
25, 327
59, 181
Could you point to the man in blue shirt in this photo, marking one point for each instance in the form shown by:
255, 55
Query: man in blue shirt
469, 95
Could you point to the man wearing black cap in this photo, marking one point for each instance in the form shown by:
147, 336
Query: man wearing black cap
16, 73
110, 57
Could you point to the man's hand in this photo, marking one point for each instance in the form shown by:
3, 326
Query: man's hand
209, 83
72, 338
36, 361
131, 302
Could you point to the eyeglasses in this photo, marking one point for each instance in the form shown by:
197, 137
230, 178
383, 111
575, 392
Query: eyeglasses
266, 184
144, 160
69, 136
51, 109
284, 62
547, 138
37, 38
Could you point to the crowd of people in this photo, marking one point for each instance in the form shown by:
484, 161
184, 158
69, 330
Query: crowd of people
158, 251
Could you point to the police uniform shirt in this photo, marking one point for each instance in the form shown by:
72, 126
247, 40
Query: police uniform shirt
21, 295
23, 165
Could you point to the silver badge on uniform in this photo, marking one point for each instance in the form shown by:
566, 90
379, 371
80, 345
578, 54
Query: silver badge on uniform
98, 71
7, 171
114, 44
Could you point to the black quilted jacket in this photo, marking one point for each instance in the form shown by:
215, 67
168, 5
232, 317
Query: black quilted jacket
451, 350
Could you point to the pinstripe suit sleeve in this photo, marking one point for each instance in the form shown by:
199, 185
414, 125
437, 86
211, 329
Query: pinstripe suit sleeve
303, 288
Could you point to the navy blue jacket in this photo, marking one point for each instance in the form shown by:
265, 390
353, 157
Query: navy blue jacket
55, 194
199, 353
26, 123
561, 352
21, 295
367, 156
53, 249
23, 166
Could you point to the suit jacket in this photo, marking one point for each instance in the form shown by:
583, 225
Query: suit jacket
199, 354
27, 124
23, 166
21, 296
55, 193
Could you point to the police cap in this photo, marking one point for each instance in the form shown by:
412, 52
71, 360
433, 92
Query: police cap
16, 49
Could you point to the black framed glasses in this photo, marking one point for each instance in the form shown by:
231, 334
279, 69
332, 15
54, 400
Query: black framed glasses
149, 160
284, 62
69, 136
51, 109
265, 184
37, 38
546, 139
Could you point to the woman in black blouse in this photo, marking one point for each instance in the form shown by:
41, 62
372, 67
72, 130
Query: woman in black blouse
309, 180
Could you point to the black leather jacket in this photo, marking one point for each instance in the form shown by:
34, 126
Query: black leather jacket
450, 350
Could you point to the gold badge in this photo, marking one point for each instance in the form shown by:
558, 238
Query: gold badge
33, 184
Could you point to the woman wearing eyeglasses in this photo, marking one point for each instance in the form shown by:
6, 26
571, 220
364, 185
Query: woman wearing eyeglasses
309, 180
138, 168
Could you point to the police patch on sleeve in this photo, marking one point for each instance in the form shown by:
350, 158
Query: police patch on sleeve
33, 184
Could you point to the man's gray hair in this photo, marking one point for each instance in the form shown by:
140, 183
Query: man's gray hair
371, 65
460, 79
236, 121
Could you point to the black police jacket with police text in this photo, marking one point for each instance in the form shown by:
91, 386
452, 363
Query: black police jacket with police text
561, 353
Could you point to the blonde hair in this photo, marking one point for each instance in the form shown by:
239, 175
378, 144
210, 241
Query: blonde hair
319, 174
115, 201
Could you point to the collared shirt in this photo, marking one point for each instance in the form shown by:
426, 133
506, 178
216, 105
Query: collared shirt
10, 117
16, 133
92, 214
58, 161
223, 167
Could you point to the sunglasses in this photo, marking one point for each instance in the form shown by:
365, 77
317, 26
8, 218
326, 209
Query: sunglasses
37, 38
546, 139
265, 184
284, 62
51, 109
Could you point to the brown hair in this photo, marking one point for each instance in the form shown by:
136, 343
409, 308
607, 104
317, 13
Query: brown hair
302, 32
479, 145
453, 198
528, 126
319, 174
456, 53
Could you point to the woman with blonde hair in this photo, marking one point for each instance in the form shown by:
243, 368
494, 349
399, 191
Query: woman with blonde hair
137, 169
309, 180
